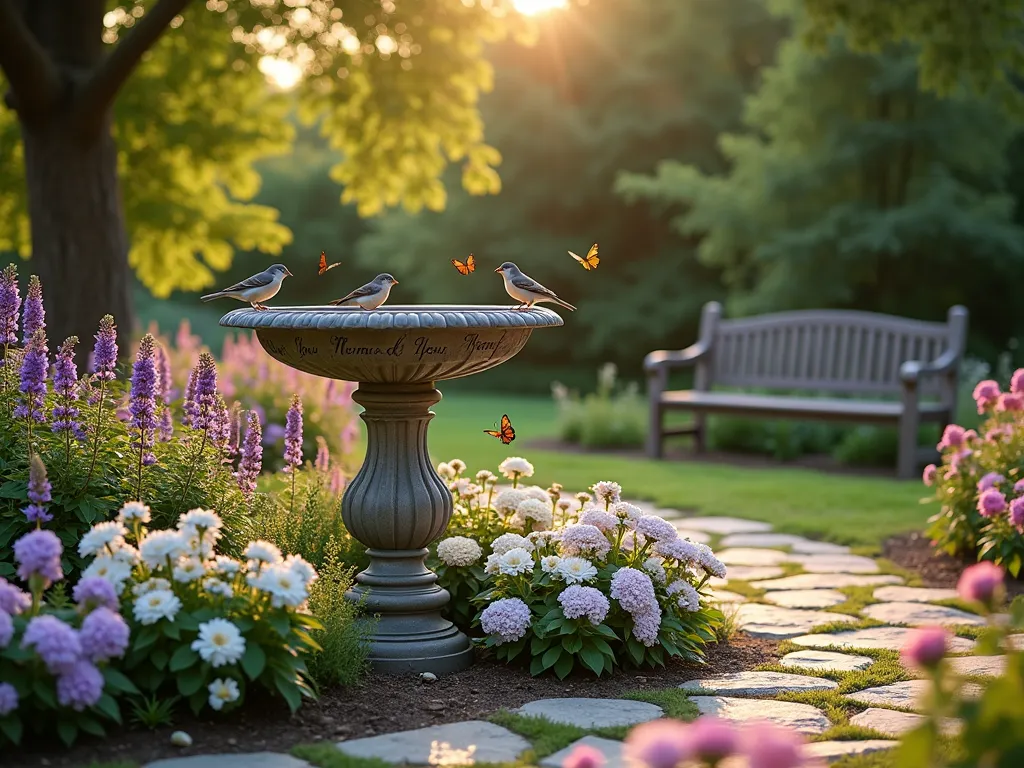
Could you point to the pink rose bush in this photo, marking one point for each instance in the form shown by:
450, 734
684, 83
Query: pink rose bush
980, 480
590, 581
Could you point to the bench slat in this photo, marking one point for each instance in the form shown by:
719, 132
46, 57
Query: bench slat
783, 405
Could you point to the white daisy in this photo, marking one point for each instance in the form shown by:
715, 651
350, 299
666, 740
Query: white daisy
111, 569
492, 563
189, 569
195, 519
150, 607
550, 563
126, 553
150, 585
102, 537
219, 642
508, 541
576, 570
283, 585
515, 562
444, 469
218, 587
301, 568
485, 476
133, 512
262, 552
160, 546
457, 465
222, 691
515, 466
226, 565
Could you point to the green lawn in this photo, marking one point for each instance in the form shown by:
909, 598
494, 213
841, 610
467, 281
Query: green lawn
849, 510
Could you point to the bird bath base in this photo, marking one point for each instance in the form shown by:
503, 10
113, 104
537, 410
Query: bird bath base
396, 505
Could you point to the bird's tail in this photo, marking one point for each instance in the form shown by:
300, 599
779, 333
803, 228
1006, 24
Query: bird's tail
565, 304
338, 302
212, 296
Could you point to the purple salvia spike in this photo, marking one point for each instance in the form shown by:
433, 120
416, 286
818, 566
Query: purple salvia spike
34, 317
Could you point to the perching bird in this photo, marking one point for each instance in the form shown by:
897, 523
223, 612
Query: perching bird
255, 289
525, 289
371, 295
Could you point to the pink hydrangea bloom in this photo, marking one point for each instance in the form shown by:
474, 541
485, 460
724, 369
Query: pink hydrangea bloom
952, 437
578, 601
656, 528
986, 394
578, 540
1017, 512
1017, 381
928, 476
990, 480
770, 746
1018, 487
991, 503
658, 744
712, 739
633, 590
981, 582
1010, 402
646, 626
508, 619
925, 647
603, 521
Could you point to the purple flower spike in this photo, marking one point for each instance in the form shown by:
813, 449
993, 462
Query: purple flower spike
38, 492
220, 424
34, 367
65, 385
323, 455
38, 554
164, 381
188, 406
34, 318
201, 395
142, 402
10, 305
104, 353
252, 456
293, 434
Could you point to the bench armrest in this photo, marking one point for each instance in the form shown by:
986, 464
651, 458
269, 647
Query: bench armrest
912, 370
666, 360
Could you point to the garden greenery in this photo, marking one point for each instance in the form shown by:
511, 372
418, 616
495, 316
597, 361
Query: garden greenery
611, 417
563, 583
980, 481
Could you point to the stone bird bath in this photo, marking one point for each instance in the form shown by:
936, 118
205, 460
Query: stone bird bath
397, 504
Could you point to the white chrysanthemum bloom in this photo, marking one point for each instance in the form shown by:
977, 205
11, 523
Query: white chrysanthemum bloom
655, 567
285, 587
462, 487
492, 563
151, 607
532, 513
218, 587
304, 570
509, 500
133, 512
115, 571
262, 552
160, 546
126, 553
515, 562
485, 476
508, 541
222, 691
219, 642
444, 469
457, 465
150, 585
458, 551
189, 569
607, 491
576, 570
226, 565
538, 493
102, 537
198, 518
515, 466
202, 549
550, 563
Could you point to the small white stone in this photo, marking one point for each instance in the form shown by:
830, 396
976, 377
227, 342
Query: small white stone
921, 615
181, 739
798, 717
758, 684
891, 638
724, 525
467, 743
805, 598
913, 594
751, 556
772, 621
827, 581
428, 677
592, 713
826, 661
831, 751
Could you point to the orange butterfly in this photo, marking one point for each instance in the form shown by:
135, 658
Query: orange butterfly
469, 265
591, 261
506, 434
324, 266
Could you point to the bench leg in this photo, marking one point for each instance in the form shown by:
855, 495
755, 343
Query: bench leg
655, 441
907, 464
700, 433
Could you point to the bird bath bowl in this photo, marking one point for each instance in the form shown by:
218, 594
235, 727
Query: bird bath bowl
397, 504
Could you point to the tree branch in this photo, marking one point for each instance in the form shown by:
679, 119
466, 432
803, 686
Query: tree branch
99, 91
31, 73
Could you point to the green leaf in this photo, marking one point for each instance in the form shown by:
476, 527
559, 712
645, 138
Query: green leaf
158, 658
280, 623
592, 658
191, 680
44, 693
116, 680
108, 706
183, 658
564, 665
10, 727
572, 643
289, 691
172, 630
254, 660
91, 726
67, 731
551, 656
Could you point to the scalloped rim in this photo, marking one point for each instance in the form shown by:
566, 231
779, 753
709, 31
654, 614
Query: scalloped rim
388, 318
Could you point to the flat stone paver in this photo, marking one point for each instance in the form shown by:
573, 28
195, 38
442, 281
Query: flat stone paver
752, 556
250, 760
805, 598
1015, 642
700, 537
831, 751
748, 573
827, 581
592, 713
907, 693
921, 615
758, 684
826, 661
799, 717
913, 594
612, 750
467, 743
890, 638
725, 525
892, 723
811, 547
976, 666
836, 563
762, 539
775, 622
725, 596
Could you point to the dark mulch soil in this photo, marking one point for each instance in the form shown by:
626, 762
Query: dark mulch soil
914, 552
383, 704
820, 462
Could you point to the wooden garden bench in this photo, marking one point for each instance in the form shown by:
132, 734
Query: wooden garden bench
873, 369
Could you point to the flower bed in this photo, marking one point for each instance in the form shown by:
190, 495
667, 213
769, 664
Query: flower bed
590, 582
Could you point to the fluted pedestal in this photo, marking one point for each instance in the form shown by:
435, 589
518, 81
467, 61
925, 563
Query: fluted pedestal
397, 505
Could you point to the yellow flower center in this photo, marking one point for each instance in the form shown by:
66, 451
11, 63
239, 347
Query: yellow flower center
219, 639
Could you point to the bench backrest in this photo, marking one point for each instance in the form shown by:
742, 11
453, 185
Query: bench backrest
825, 350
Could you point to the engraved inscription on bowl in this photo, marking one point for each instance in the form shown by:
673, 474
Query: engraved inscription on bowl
393, 344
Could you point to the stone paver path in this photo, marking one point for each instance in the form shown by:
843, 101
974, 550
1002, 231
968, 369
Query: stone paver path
921, 615
827, 581
913, 594
474, 741
799, 717
592, 713
836, 563
611, 749
776, 622
826, 661
724, 596
250, 760
805, 598
893, 723
888, 638
758, 684
724, 526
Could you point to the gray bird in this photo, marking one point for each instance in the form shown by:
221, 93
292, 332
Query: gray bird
371, 295
255, 289
525, 289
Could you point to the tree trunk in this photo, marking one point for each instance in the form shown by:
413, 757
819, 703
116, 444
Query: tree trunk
79, 243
